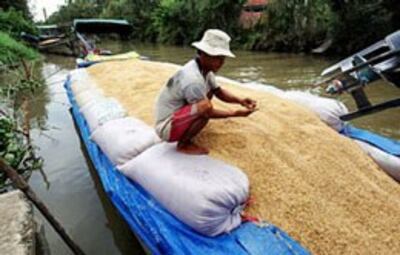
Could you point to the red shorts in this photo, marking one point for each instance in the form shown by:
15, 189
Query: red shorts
181, 121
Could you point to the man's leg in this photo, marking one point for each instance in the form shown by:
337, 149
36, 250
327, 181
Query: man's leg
185, 144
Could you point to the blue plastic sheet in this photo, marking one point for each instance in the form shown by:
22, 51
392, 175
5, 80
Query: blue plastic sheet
160, 231
85, 63
386, 144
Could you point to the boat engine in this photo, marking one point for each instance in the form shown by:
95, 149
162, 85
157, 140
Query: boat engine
378, 61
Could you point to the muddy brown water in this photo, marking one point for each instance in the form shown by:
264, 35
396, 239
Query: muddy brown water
73, 190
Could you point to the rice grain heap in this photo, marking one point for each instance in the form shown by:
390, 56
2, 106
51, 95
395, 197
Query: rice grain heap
307, 179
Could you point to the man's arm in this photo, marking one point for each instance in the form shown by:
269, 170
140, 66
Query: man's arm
228, 97
220, 114
205, 107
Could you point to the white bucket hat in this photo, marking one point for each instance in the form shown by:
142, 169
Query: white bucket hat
215, 43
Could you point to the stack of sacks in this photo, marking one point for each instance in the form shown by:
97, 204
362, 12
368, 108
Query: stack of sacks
120, 138
388, 162
80, 81
123, 139
206, 194
79, 75
328, 110
84, 88
86, 96
96, 108
100, 111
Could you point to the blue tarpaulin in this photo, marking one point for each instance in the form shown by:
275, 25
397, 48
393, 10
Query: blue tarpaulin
385, 144
160, 231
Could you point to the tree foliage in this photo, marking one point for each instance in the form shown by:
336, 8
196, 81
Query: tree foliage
16, 149
75, 10
13, 22
290, 25
359, 23
293, 25
20, 5
12, 51
137, 12
180, 21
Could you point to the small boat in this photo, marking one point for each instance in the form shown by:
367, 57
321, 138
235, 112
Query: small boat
99, 26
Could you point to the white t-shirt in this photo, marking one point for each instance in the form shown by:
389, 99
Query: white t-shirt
187, 86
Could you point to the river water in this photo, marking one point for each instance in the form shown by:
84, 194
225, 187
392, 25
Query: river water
70, 186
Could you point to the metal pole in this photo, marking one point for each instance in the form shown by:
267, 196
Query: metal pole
21, 184
372, 61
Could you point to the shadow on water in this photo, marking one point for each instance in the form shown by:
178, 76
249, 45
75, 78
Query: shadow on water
122, 234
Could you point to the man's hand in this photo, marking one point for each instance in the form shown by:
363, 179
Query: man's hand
243, 112
250, 104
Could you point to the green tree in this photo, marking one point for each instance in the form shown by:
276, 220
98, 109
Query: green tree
13, 23
137, 12
293, 25
20, 5
16, 53
180, 21
75, 10
360, 23
12, 51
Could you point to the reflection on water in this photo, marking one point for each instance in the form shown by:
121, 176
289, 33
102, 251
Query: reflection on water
75, 194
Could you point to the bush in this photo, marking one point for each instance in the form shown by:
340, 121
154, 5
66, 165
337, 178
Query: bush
20, 5
293, 25
12, 51
181, 22
137, 12
360, 23
13, 22
75, 10
15, 149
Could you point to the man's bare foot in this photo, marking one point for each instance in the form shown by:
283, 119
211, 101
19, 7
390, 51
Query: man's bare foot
191, 148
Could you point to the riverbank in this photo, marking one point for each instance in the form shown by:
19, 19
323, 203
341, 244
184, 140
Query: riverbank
18, 228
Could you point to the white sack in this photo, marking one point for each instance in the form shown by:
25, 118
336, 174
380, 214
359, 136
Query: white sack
123, 139
81, 81
79, 74
328, 110
204, 193
93, 102
389, 163
79, 86
102, 111
87, 96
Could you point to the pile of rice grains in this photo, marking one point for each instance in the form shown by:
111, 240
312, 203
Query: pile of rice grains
305, 177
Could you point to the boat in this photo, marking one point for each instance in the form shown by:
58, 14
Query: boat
379, 61
162, 233
99, 26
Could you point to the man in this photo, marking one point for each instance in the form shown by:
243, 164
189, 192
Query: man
184, 105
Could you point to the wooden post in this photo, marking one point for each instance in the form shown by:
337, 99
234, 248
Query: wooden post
26, 69
21, 184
